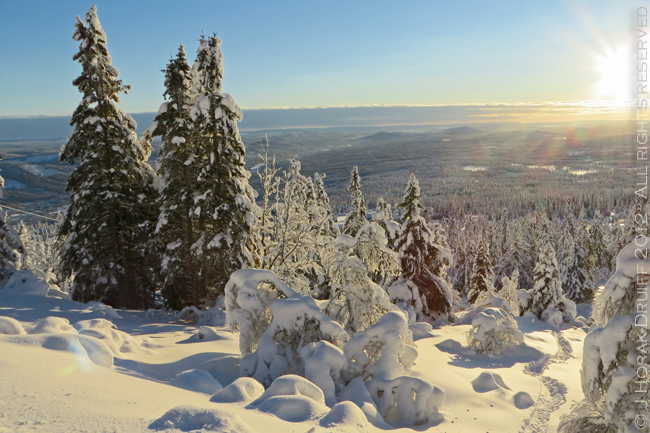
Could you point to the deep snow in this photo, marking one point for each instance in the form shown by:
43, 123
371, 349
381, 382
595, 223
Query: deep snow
90, 368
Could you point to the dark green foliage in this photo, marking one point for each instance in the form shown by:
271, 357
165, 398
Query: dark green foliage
105, 233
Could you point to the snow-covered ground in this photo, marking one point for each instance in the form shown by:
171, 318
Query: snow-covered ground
91, 376
40, 170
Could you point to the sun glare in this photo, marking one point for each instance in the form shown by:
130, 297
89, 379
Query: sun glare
614, 72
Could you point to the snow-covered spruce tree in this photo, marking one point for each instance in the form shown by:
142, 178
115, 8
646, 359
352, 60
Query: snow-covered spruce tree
423, 262
547, 299
482, 279
598, 242
10, 244
614, 371
576, 274
224, 202
176, 230
357, 215
322, 203
108, 222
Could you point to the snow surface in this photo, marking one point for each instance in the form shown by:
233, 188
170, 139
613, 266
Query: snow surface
41, 171
90, 368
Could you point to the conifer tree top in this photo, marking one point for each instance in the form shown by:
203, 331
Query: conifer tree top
99, 79
208, 67
411, 203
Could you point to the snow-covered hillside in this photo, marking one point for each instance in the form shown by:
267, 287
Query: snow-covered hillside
85, 367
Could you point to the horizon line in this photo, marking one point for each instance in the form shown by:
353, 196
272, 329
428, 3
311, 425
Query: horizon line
592, 103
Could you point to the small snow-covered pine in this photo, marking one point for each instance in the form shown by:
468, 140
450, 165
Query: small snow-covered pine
423, 262
482, 278
577, 279
11, 245
547, 292
357, 214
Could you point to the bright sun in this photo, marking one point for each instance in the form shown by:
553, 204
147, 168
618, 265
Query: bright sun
614, 74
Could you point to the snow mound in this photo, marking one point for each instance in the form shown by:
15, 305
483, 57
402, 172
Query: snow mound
243, 390
187, 418
357, 393
420, 330
347, 416
53, 325
291, 384
117, 341
293, 408
487, 381
100, 307
197, 380
10, 326
523, 400
27, 283
207, 333
86, 349
93, 324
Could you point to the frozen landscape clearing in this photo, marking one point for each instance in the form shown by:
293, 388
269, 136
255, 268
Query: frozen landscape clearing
73, 367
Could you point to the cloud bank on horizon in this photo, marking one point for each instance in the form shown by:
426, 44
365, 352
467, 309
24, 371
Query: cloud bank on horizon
260, 119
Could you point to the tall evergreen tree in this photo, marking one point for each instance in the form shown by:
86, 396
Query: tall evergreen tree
176, 230
108, 222
224, 200
356, 218
423, 262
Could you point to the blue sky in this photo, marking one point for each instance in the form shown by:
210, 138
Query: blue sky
321, 53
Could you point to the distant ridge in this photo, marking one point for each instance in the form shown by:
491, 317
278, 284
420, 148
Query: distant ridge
460, 130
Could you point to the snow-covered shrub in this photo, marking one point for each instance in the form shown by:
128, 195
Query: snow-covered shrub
493, 331
383, 215
296, 322
614, 369
490, 299
509, 286
249, 293
384, 350
324, 363
406, 292
406, 399
356, 301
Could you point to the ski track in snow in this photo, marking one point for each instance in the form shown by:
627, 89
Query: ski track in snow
552, 392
